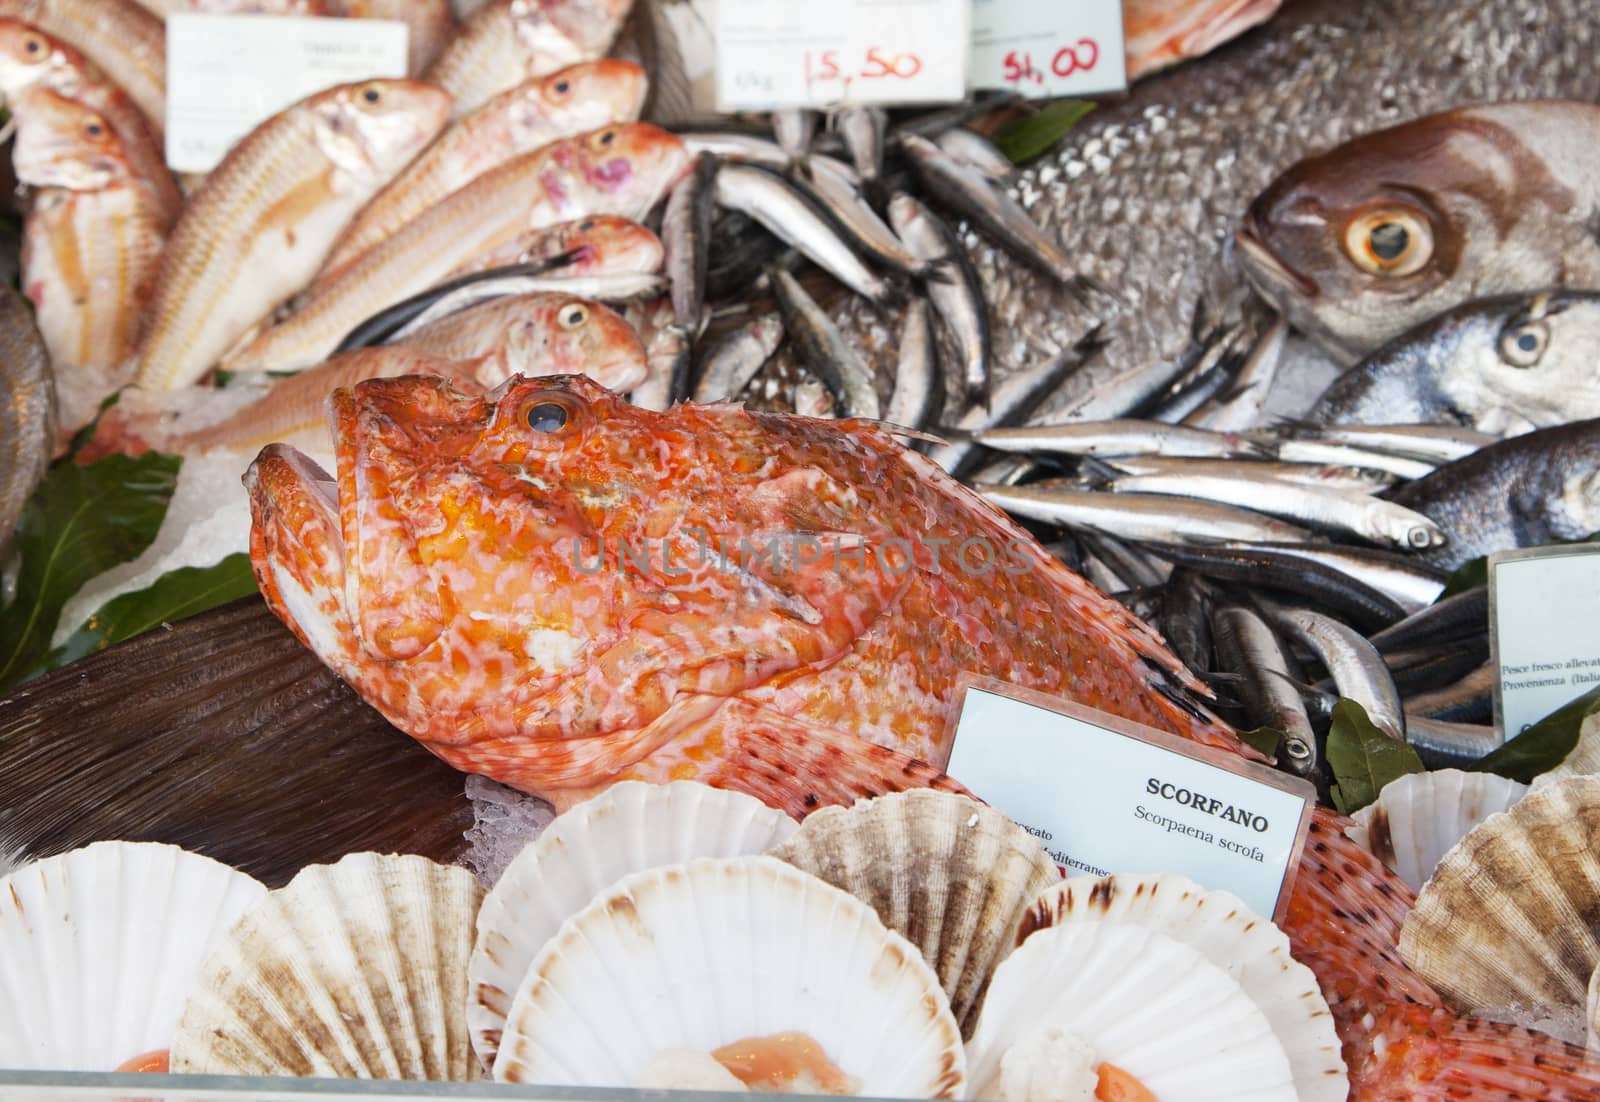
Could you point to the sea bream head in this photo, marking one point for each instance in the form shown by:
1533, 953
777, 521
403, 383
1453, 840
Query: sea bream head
1504, 365
548, 585
1359, 244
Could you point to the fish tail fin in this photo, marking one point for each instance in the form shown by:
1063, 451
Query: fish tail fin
1420, 1054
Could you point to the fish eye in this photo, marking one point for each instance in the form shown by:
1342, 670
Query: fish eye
572, 316
371, 95
563, 87
546, 417
1389, 241
93, 129
605, 137
1524, 345
33, 45
586, 225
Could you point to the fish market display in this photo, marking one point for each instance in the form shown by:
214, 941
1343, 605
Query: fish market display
117, 931
273, 208
680, 488
672, 473
1503, 366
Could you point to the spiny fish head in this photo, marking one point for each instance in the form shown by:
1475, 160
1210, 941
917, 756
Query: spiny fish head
549, 562
562, 335
63, 143
586, 95
376, 127
1360, 244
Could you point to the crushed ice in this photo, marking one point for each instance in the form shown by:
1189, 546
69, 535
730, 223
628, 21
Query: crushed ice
503, 822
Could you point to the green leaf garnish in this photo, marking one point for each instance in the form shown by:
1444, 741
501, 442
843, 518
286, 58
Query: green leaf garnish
80, 523
1265, 739
1475, 574
1363, 758
1021, 140
175, 595
1543, 746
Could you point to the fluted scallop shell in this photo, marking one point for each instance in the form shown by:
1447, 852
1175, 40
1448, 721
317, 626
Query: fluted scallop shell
1584, 758
1149, 1004
99, 947
697, 956
1218, 925
1418, 817
1511, 917
630, 827
352, 970
951, 874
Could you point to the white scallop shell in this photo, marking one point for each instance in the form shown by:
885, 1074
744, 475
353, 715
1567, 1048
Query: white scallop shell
698, 956
628, 828
951, 874
99, 947
1152, 1006
1418, 817
353, 970
1249, 948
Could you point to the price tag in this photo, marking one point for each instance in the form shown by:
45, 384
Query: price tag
821, 53
1105, 795
227, 74
1544, 638
1069, 47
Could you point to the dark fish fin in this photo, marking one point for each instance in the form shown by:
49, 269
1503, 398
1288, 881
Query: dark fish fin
222, 734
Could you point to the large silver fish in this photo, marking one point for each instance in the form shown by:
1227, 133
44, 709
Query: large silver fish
1146, 193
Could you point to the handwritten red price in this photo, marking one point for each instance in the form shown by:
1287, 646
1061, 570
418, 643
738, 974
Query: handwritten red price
878, 64
1079, 57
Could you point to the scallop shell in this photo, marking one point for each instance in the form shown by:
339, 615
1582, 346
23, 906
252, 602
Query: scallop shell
1418, 817
630, 827
700, 955
352, 970
951, 874
1151, 1005
1250, 949
1511, 917
99, 947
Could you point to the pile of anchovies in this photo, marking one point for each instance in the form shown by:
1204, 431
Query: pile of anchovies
1290, 567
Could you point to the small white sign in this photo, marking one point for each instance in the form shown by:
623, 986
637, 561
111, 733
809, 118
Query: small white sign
1544, 615
1064, 48
1105, 796
822, 53
227, 74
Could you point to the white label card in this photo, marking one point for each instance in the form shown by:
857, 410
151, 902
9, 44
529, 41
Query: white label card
822, 53
1064, 48
1104, 795
1544, 615
227, 74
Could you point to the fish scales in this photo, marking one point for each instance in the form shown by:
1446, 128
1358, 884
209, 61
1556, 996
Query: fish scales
1146, 191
